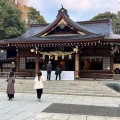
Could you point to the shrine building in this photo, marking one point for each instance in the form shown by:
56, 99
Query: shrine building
80, 48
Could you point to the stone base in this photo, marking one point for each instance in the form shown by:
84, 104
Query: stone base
116, 77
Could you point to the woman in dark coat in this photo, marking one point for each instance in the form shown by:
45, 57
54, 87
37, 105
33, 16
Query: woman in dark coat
58, 71
10, 85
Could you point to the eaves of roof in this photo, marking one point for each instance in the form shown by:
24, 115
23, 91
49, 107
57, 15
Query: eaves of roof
56, 39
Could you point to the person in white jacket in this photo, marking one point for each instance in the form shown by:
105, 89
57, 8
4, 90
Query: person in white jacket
38, 84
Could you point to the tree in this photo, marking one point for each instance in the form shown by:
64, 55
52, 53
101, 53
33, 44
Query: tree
11, 24
116, 24
114, 17
106, 15
34, 16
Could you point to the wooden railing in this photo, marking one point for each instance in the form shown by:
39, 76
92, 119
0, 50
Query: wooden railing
102, 76
106, 76
16, 74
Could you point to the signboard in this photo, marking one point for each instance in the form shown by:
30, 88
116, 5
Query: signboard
3, 54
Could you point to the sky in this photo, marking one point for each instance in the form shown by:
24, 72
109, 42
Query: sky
78, 10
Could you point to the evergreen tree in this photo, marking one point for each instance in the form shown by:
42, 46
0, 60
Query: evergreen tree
34, 16
106, 15
114, 17
11, 24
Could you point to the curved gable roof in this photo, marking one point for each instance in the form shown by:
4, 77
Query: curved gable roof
63, 18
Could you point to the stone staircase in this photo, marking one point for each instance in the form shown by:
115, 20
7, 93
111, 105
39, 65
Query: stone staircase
88, 88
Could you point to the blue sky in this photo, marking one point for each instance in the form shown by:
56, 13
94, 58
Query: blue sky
78, 10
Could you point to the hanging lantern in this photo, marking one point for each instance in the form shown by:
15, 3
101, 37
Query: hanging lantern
51, 57
13, 63
98, 41
62, 57
95, 43
36, 51
70, 56
32, 50
1, 51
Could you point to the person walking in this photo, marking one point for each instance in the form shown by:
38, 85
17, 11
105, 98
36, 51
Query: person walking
58, 71
10, 86
38, 84
49, 69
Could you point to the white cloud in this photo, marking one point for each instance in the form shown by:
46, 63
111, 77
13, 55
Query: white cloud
77, 4
77, 9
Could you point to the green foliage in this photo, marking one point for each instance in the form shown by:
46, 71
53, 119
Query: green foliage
34, 16
106, 15
115, 20
11, 24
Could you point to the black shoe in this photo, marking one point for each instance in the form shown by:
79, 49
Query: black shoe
10, 99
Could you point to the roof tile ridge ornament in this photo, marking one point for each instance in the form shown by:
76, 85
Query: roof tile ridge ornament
62, 11
63, 20
62, 5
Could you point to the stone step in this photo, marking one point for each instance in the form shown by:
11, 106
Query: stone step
63, 87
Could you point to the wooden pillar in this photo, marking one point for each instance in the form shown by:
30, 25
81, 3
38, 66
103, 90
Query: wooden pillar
37, 64
17, 62
77, 69
111, 64
1, 67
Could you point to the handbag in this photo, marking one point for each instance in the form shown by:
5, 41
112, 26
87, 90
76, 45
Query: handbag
56, 73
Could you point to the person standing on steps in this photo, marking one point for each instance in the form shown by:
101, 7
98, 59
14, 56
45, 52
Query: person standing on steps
49, 69
38, 84
58, 71
10, 86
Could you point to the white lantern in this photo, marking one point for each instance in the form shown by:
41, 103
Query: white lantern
32, 50
1, 51
13, 63
51, 57
62, 57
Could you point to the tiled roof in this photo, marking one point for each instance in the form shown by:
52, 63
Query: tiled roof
57, 38
32, 31
90, 28
98, 28
77, 25
103, 28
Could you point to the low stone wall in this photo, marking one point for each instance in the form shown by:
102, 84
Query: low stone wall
116, 77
